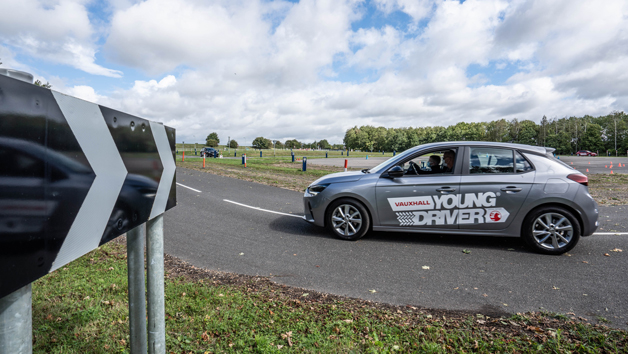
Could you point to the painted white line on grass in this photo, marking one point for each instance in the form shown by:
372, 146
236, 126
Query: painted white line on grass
610, 233
266, 210
184, 186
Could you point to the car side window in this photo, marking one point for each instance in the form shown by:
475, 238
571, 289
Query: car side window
436, 162
490, 160
522, 165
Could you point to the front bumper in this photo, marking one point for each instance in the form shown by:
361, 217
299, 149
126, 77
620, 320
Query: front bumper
314, 208
307, 211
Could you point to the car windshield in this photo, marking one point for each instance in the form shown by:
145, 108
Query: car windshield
382, 165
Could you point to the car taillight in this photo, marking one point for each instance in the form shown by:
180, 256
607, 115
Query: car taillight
580, 178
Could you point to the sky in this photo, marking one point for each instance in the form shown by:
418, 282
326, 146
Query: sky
309, 70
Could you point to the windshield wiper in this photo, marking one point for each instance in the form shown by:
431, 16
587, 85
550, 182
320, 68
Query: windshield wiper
366, 170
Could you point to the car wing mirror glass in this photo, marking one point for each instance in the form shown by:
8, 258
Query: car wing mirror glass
395, 172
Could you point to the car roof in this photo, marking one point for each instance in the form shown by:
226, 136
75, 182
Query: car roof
534, 149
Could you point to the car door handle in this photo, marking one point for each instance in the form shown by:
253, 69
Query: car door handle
446, 190
511, 189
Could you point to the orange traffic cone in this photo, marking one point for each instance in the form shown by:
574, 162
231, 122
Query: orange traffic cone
605, 166
587, 170
589, 162
611, 171
572, 163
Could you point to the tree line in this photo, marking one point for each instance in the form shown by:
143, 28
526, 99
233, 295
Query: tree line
566, 135
260, 142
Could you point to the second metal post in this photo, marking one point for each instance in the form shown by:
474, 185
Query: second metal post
155, 271
137, 296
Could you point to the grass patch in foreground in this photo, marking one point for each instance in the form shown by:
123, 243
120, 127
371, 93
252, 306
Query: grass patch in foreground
82, 308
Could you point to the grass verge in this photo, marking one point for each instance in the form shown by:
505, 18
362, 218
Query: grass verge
279, 172
82, 308
609, 189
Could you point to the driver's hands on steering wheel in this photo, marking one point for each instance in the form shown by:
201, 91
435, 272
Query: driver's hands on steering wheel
414, 167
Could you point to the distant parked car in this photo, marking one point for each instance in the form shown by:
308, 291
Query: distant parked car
209, 152
585, 153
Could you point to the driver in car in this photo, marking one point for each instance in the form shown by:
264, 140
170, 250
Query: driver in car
434, 163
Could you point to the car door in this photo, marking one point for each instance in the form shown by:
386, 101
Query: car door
495, 182
418, 200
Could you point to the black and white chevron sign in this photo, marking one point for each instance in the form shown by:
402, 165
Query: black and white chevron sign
73, 176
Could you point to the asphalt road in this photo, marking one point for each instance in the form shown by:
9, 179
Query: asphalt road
498, 276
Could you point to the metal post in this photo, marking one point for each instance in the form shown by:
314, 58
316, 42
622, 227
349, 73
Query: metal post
155, 271
16, 324
137, 297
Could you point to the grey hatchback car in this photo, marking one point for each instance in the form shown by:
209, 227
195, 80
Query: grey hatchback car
469, 188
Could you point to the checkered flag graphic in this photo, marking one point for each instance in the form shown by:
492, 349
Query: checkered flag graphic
405, 218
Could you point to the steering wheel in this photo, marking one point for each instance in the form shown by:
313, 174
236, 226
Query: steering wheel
414, 167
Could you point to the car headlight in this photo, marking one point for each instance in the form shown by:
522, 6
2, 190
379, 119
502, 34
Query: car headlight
315, 189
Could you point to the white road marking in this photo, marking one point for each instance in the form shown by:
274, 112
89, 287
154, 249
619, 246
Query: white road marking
266, 210
184, 186
610, 233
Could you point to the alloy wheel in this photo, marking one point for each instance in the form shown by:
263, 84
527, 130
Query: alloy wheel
347, 220
552, 231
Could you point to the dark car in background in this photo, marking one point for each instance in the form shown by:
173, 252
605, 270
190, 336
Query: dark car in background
209, 152
585, 153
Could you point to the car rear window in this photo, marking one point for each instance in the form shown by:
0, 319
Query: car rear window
522, 165
551, 156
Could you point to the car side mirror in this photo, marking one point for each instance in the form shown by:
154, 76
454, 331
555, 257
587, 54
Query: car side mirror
396, 172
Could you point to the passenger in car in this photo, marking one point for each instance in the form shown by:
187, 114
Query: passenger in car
449, 157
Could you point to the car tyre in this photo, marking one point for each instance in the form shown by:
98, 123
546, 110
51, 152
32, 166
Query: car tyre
347, 219
551, 230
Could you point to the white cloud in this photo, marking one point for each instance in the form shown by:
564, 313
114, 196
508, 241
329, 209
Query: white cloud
378, 48
251, 68
83, 92
233, 40
418, 10
54, 31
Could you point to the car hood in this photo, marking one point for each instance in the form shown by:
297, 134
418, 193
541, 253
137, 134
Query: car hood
340, 177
